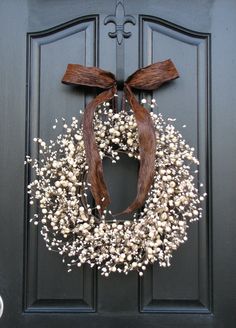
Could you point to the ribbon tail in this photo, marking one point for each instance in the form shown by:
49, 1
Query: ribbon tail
147, 78
95, 171
147, 149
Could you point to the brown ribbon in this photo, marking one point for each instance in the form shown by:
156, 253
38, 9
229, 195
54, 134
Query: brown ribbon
148, 78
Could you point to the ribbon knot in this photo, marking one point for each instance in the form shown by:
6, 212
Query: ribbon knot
148, 78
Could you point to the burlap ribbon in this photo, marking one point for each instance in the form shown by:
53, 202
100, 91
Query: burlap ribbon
148, 78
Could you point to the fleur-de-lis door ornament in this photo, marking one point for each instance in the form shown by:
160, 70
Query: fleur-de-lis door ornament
119, 19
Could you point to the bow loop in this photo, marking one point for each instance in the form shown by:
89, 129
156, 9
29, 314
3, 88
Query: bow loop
88, 76
153, 76
148, 78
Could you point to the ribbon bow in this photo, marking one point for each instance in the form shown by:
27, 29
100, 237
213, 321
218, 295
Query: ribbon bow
148, 78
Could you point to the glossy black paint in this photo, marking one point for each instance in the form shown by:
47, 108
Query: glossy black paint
37, 40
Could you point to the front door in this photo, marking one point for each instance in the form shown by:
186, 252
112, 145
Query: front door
37, 41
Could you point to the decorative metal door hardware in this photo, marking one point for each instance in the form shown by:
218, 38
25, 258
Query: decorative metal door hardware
1, 306
119, 19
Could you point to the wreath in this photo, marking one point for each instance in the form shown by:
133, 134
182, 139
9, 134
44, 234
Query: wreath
79, 231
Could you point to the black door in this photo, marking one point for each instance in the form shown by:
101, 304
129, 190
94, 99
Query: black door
37, 41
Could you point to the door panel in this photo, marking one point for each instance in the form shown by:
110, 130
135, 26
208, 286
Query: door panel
47, 101
183, 288
37, 41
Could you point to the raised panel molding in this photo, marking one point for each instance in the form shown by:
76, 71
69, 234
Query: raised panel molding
47, 285
190, 51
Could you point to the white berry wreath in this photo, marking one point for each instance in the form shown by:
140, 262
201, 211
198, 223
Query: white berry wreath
71, 226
